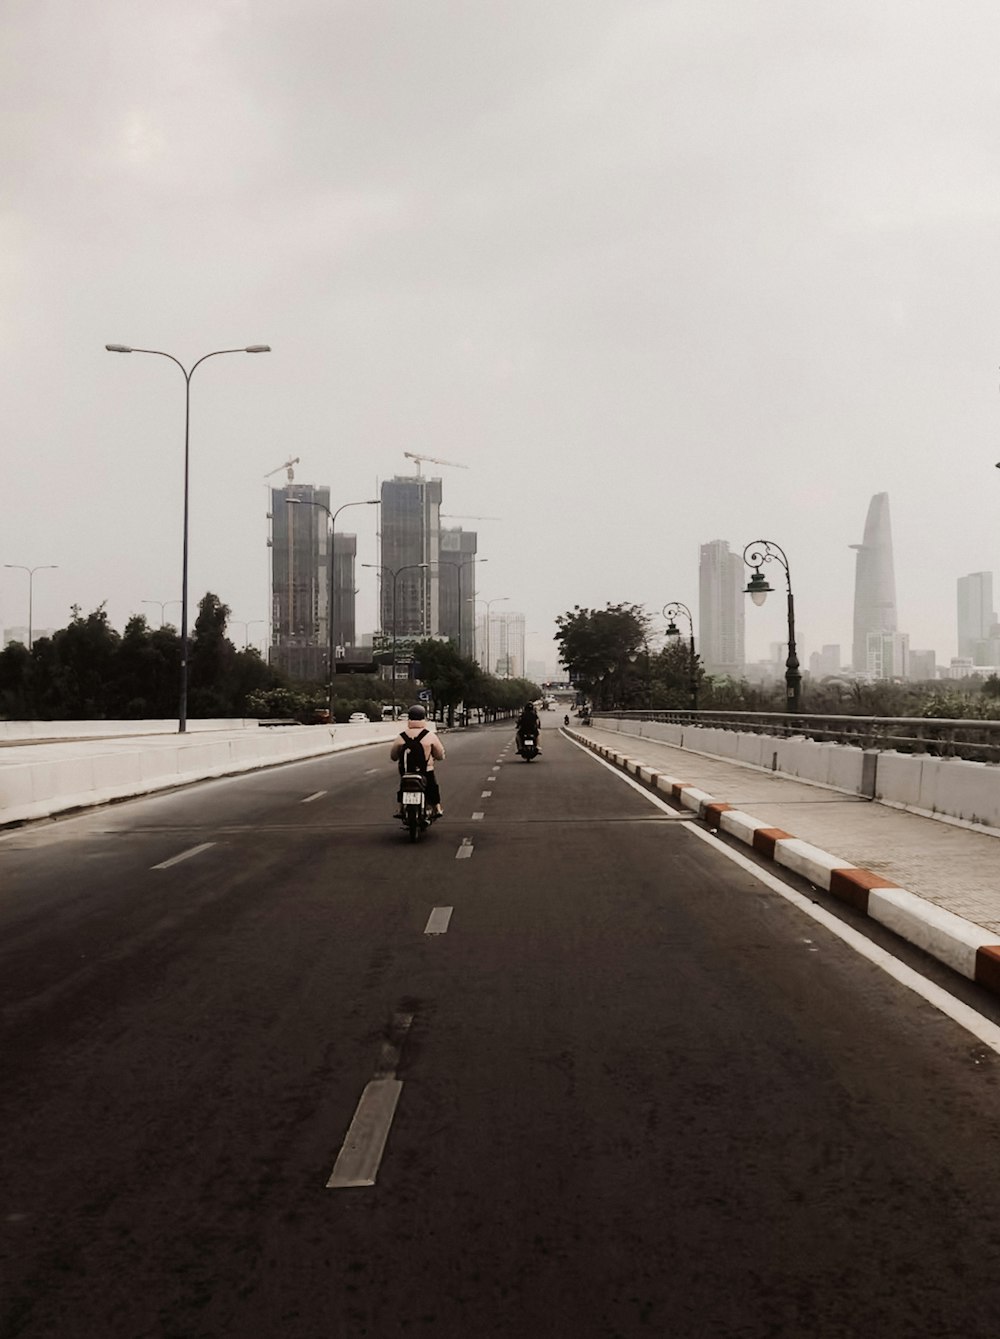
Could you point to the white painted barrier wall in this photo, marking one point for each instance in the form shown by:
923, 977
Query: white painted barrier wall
40, 780
952, 789
28, 730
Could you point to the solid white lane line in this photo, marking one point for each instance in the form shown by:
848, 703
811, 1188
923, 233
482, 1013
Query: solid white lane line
982, 1028
437, 921
184, 855
465, 850
318, 796
358, 1160
478, 816
486, 795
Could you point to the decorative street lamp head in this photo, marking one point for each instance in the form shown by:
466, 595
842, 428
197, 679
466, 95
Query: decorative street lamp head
758, 587
672, 632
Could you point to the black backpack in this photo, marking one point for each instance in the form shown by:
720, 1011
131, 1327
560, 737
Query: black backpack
413, 758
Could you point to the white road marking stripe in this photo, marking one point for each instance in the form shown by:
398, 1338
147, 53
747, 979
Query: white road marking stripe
318, 796
491, 778
966, 1017
372, 770
184, 855
358, 1160
465, 850
437, 921
486, 795
478, 816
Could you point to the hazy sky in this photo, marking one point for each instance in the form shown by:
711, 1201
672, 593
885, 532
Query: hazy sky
656, 272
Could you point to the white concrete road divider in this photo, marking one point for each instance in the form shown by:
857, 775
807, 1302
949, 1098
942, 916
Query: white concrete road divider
42, 780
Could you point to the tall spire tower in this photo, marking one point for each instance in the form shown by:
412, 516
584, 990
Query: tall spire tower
874, 580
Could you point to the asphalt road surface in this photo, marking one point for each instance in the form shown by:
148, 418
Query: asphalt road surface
607, 1082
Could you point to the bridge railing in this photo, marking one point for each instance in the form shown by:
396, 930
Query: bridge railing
976, 740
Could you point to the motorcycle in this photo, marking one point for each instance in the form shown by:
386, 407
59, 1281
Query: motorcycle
529, 748
415, 815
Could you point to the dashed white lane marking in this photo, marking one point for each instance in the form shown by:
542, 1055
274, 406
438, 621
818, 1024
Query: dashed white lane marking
437, 921
358, 1160
982, 1028
184, 855
486, 795
372, 770
465, 850
478, 816
318, 796
491, 778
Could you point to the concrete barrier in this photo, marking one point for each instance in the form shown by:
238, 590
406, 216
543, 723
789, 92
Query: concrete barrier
41, 780
952, 789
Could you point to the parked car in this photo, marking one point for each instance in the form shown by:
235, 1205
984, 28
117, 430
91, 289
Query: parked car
358, 718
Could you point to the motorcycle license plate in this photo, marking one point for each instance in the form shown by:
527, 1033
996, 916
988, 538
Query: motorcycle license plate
530, 743
412, 797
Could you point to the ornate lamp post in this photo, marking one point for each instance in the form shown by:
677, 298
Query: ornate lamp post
188, 374
756, 553
670, 611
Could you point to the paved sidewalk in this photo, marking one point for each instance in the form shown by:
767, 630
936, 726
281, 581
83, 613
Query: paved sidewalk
936, 884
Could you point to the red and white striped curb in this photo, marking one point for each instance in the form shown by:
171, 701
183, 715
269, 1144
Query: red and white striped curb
960, 944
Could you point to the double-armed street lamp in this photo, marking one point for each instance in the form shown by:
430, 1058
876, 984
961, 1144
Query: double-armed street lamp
42, 567
246, 625
331, 588
188, 374
469, 562
396, 573
758, 552
162, 607
670, 611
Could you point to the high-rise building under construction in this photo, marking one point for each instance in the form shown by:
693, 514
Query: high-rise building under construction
874, 583
411, 551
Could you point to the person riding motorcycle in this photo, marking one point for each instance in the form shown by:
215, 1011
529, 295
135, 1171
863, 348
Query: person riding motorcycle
528, 724
416, 725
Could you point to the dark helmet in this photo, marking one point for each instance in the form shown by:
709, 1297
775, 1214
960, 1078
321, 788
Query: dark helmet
416, 713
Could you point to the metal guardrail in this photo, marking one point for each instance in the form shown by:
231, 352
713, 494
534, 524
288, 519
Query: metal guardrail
978, 741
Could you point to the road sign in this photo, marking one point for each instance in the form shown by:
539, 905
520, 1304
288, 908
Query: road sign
425, 695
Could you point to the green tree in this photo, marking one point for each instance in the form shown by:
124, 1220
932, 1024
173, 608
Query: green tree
596, 645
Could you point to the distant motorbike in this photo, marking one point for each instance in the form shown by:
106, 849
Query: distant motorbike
416, 818
565, 720
529, 748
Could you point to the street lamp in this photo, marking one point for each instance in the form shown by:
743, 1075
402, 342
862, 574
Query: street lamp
42, 567
188, 374
246, 625
331, 592
670, 611
469, 562
396, 574
756, 553
497, 599
163, 605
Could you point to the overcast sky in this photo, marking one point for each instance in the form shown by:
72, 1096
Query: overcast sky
656, 271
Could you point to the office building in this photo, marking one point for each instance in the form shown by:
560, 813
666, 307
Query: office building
500, 644
923, 666
721, 584
887, 655
300, 575
410, 549
345, 554
975, 613
874, 582
457, 588
825, 662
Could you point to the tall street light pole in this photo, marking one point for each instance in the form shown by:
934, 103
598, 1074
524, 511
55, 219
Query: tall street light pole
756, 553
188, 374
469, 562
497, 599
396, 573
331, 613
670, 611
42, 567
246, 625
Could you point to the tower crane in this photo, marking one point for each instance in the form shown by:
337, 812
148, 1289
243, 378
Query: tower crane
433, 460
287, 466
450, 516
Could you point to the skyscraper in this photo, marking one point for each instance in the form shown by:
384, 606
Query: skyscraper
721, 609
300, 575
975, 612
457, 588
411, 535
874, 581
345, 551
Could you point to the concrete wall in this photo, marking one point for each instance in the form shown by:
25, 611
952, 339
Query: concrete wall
953, 789
40, 780
28, 730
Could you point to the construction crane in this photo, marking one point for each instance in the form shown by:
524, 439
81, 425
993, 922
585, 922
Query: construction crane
287, 466
411, 455
449, 516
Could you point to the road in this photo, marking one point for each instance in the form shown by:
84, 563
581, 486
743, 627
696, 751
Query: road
642, 1093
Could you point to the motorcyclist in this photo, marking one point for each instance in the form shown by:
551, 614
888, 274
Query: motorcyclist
528, 724
417, 725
